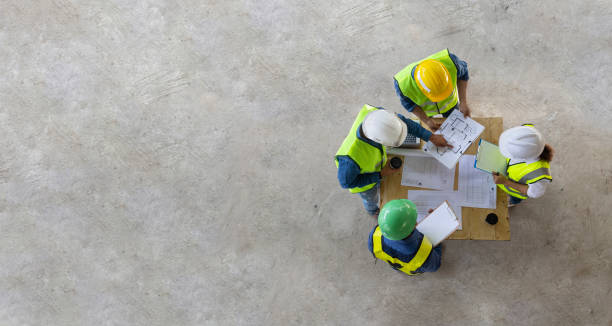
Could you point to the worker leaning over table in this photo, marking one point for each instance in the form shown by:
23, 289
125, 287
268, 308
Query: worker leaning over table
396, 241
528, 163
434, 85
362, 158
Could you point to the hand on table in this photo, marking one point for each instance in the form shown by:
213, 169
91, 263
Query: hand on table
439, 141
498, 178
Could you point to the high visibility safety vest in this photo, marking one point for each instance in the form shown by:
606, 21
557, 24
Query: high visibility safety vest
524, 173
408, 267
369, 158
410, 89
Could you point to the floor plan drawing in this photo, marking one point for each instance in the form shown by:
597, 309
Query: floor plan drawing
458, 131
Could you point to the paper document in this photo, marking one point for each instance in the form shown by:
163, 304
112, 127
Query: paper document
440, 224
458, 131
424, 200
476, 187
422, 170
489, 158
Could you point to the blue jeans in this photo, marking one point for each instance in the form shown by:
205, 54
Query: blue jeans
515, 200
370, 199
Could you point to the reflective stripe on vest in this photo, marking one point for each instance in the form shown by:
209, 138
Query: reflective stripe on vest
524, 173
535, 175
512, 192
407, 267
410, 89
369, 158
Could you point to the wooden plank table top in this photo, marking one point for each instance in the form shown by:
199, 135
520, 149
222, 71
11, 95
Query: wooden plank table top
474, 225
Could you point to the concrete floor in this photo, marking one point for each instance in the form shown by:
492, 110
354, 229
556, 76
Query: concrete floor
170, 162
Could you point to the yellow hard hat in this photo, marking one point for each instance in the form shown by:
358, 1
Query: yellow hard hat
433, 80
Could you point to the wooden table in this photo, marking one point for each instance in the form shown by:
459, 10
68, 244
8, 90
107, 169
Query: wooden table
474, 225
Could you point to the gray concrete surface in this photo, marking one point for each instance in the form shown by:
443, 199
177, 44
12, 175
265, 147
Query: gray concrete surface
170, 162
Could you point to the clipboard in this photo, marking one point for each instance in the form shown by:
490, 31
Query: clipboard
490, 159
439, 224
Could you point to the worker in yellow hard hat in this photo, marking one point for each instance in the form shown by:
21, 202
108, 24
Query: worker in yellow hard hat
434, 85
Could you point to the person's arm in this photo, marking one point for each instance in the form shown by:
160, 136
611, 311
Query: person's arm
433, 262
462, 81
416, 130
410, 106
537, 189
349, 174
462, 67
431, 123
501, 180
463, 105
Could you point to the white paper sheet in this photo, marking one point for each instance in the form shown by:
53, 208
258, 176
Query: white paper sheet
422, 170
439, 224
424, 200
460, 132
476, 186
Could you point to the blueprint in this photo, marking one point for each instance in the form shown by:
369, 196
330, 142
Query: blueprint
422, 170
458, 131
476, 186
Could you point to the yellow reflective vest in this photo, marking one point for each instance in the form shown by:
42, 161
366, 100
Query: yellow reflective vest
369, 158
410, 89
524, 173
408, 267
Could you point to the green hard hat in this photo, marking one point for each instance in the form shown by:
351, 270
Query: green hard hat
397, 219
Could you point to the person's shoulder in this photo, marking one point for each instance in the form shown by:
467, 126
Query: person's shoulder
344, 159
370, 238
416, 235
459, 63
453, 56
346, 163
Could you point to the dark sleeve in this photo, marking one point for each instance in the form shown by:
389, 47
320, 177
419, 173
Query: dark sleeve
462, 68
415, 128
349, 174
406, 102
433, 262
370, 244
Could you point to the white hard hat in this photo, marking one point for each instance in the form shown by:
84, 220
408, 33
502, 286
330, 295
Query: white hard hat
385, 128
522, 143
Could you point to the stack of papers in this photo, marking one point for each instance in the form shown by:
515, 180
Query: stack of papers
476, 186
476, 189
